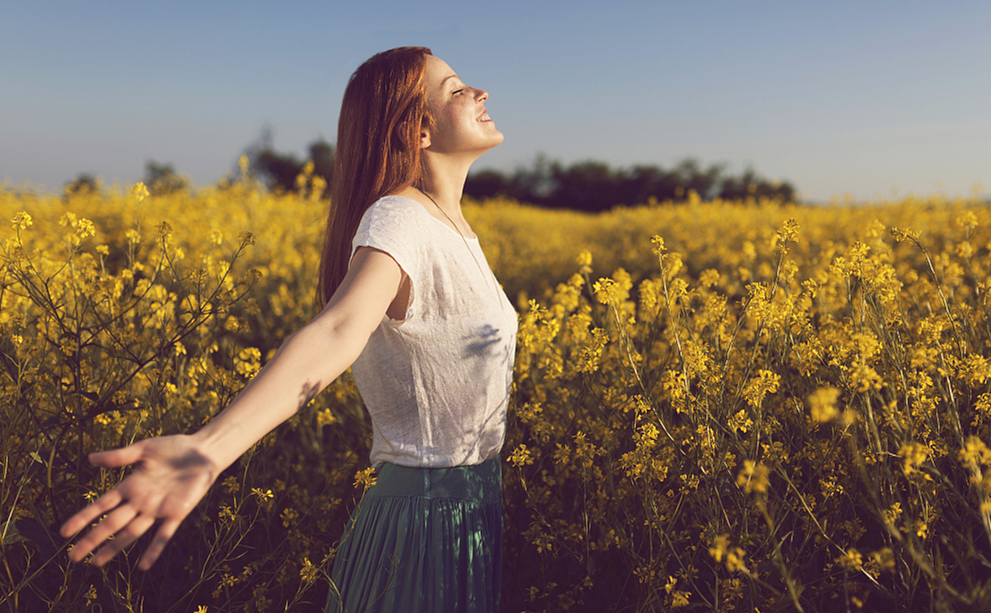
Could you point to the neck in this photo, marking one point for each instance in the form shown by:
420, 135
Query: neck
441, 188
444, 179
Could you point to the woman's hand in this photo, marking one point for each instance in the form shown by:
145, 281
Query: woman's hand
170, 477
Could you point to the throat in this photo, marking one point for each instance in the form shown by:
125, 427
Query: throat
464, 231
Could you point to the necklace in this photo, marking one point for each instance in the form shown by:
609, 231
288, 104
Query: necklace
458, 230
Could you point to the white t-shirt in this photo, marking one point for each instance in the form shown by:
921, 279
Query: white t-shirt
437, 383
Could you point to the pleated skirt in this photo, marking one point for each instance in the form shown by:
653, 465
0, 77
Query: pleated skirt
423, 539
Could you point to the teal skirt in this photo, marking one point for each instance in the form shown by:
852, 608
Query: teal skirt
423, 539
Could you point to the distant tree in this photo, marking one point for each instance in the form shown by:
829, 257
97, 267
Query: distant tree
486, 184
585, 186
690, 176
535, 184
82, 184
749, 185
279, 170
322, 156
645, 182
594, 186
161, 179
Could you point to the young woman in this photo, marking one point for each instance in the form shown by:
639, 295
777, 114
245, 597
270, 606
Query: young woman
412, 305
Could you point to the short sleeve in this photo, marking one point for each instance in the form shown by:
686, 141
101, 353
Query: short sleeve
388, 225
391, 226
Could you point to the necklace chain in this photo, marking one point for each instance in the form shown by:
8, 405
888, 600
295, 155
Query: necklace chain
460, 233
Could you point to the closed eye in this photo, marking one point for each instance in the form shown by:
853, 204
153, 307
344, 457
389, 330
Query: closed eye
457, 91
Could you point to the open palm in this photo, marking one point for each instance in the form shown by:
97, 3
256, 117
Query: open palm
170, 477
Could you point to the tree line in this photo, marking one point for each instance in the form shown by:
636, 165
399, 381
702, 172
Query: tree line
595, 186
584, 186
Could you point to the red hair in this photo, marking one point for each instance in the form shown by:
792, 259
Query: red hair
378, 149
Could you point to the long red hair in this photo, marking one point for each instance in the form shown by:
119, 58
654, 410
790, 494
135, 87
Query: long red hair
378, 149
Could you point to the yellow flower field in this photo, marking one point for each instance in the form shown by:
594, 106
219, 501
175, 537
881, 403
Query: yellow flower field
717, 406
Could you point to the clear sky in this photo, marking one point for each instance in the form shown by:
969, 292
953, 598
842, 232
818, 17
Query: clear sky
860, 98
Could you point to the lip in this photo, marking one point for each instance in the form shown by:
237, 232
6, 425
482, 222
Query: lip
484, 116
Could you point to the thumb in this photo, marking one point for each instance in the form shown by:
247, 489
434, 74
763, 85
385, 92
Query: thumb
114, 458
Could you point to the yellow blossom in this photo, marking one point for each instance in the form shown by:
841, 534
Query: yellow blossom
231, 484
901, 234
740, 421
822, 404
892, 514
658, 244
719, 546
308, 572
884, 558
22, 221
139, 191
753, 477
226, 514
365, 477
91, 595
975, 453
913, 455
852, 560
289, 517
584, 261
325, 417
521, 456
734, 560
609, 291
262, 495
967, 221
766, 382
788, 233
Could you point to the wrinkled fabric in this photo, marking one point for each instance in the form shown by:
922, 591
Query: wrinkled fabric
437, 382
423, 539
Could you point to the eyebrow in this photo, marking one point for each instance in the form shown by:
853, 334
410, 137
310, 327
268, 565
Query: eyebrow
451, 76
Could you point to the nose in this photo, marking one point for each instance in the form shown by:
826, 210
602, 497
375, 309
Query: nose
481, 95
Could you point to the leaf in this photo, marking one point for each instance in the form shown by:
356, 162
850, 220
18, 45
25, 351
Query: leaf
10, 534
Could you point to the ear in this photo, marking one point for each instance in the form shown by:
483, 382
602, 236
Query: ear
424, 137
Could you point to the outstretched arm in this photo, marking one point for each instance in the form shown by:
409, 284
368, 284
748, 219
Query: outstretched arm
173, 473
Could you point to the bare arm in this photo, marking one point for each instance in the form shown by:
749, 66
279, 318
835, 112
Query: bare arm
308, 361
173, 473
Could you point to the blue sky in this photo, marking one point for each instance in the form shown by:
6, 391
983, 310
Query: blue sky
861, 98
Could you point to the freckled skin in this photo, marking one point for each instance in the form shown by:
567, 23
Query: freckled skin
461, 123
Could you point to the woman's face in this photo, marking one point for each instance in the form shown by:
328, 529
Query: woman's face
461, 122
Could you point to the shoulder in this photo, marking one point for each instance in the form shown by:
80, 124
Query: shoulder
394, 209
389, 218
395, 225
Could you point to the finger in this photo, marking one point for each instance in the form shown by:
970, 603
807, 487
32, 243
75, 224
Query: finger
158, 543
114, 458
83, 518
113, 522
123, 538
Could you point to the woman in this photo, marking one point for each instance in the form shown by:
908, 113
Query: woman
412, 304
